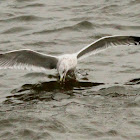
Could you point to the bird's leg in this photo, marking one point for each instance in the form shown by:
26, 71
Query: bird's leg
61, 79
72, 74
64, 77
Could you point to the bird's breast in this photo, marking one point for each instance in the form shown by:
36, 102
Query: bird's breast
72, 62
69, 61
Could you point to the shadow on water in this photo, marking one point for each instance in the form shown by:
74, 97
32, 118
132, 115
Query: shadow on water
46, 91
135, 81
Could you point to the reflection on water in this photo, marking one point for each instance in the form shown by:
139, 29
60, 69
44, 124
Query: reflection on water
47, 90
134, 82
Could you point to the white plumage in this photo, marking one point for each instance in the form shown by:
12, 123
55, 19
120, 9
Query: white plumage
31, 60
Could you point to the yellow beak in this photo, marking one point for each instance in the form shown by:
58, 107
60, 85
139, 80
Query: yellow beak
62, 78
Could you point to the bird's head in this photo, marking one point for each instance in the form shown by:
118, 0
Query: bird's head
62, 72
62, 75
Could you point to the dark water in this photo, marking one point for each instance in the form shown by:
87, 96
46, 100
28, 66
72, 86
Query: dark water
104, 102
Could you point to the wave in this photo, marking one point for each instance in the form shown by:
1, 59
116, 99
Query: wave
109, 8
15, 30
32, 5
26, 18
121, 27
76, 27
85, 24
40, 43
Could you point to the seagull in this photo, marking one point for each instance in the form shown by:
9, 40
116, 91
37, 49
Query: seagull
35, 61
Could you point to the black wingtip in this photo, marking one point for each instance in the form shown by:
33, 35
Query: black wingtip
136, 39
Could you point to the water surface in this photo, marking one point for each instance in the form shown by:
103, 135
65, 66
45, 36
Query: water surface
104, 102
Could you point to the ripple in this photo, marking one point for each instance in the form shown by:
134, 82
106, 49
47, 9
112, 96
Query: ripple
6, 134
11, 129
135, 102
112, 133
15, 30
40, 43
26, 18
119, 91
85, 24
100, 63
23, 1
77, 27
35, 5
35, 74
110, 8
121, 27
30, 5
135, 122
26, 133
4, 123
129, 70
133, 2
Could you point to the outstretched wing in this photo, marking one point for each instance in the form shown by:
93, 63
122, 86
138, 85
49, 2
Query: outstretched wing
107, 42
27, 59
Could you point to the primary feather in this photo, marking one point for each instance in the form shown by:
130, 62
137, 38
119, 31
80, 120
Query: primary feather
27, 59
106, 42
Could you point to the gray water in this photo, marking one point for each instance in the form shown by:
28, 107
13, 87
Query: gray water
104, 102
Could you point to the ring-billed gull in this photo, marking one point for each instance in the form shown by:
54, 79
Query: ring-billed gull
32, 60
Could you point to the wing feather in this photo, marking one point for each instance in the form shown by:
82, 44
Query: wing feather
107, 42
27, 59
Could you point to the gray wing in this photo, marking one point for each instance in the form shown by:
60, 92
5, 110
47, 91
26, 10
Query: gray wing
107, 42
27, 59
